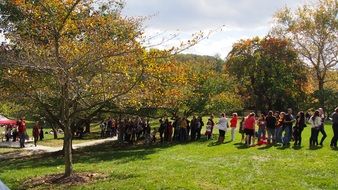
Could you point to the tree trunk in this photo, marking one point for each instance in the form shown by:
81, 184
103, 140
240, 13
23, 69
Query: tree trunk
68, 152
55, 132
321, 93
67, 140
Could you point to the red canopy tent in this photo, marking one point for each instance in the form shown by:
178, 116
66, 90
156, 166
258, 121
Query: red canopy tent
6, 121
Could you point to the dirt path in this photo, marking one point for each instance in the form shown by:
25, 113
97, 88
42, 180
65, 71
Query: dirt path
30, 149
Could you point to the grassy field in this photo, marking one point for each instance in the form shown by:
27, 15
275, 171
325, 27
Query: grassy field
197, 165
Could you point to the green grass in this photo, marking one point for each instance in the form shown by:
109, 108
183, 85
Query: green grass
198, 165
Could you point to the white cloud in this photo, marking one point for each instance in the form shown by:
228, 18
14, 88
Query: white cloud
242, 18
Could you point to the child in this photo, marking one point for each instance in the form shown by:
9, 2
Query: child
233, 124
208, 131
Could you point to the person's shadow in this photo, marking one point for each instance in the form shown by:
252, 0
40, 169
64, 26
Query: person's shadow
216, 143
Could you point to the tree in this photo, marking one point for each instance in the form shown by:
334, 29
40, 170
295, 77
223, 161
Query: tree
209, 89
74, 60
269, 73
314, 32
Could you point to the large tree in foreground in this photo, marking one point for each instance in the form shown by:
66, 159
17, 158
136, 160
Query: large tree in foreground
314, 32
74, 59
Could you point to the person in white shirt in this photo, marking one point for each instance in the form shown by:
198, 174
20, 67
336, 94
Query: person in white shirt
222, 127
315, 122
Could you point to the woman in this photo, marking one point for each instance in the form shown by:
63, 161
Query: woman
298, 129
261, 128
315, 122
36, 132
249, 128
222, 126
321, 128
335, 129
279, 127
233, 125
241, 128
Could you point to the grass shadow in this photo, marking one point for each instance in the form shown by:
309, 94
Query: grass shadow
242, 146
265, 147
297, 147
315, 147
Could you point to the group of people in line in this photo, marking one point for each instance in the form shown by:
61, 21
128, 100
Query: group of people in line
282, 127
279, 128
18, 131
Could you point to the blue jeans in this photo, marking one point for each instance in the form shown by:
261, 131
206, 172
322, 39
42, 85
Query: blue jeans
287, 134
261, 132
278, 135
22, 137
271, 135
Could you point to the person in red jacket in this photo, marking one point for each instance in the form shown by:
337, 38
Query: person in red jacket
233, 125
249, 128
22, 131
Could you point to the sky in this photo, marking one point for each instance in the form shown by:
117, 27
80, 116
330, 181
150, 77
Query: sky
240, 19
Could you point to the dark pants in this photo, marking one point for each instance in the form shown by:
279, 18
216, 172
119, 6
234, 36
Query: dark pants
161, 134
183, 134
314, 136
321, 129
22, 137
35, 140
198, 133
335, 135
297, 133
193, 134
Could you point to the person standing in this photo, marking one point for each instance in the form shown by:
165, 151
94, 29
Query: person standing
261, 128
315, 122
279, 127
335, 129
183, 130
199, 125
110, 127
233, 125
249, 128
321, 128
41, 135
22, 131
162, 129
299, 127
271, 125
241, 128
222, 127
193, 127
103, 129
36, 132
208, 130
287, 127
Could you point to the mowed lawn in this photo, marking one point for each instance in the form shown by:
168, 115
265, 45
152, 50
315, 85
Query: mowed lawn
196, 165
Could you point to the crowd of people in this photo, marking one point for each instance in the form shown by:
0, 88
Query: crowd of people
274, 128
282, 127
18, 132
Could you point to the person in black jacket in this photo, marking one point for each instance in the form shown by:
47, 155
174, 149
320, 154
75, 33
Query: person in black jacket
271, 126
335, 129
299, 127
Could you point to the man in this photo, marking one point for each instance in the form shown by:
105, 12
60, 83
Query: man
271, 125
335, 129
22, 131
287, 127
